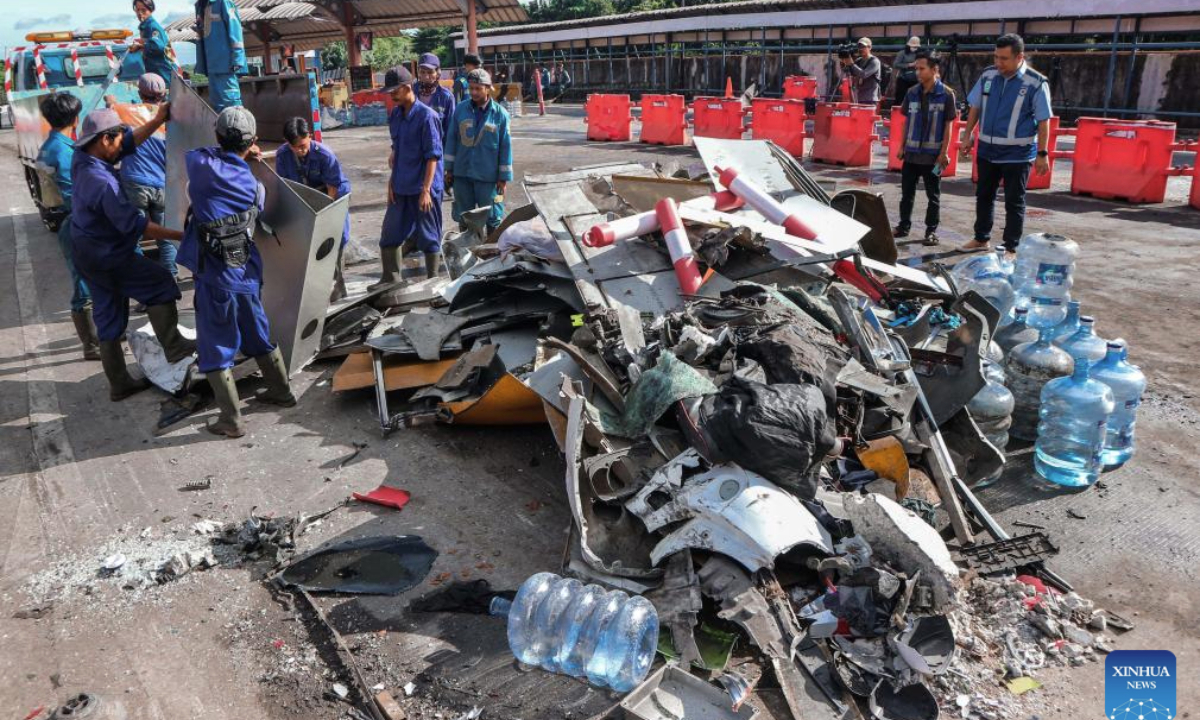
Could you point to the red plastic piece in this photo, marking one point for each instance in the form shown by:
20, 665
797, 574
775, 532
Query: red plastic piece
843, 134
386, 496
367, 97
663, 120
781, 121
718, 118
897, 127
609, 117
1126, 159
1036, 182
799, 87
1194, 197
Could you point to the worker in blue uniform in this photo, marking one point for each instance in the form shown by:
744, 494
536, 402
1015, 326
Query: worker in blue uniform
1010, 102
313, 164
105, 228
220, 51
929, 113
152, 42
413, 219
218, 247
430, 91
61, 111
478, 158
144, 173
471, 61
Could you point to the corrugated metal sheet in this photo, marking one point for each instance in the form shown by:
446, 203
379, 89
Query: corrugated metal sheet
308, 26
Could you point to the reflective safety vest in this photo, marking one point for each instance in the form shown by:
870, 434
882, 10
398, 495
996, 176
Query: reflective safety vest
1006, 114
924, 131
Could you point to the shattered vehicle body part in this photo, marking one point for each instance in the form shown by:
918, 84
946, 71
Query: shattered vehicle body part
300, 251
672, 693
906, 541
367, 566
926, 645
912, 702
739, 514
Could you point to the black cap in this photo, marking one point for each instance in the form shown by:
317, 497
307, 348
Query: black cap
395, 77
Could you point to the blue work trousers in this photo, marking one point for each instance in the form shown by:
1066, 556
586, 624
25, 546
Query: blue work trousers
470, 194
81, 298
227, 322
223, 91
136, 277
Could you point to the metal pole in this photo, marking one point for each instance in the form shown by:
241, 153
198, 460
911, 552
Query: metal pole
830, 80
667, 62
724, 59
705, 91
762, 59
1128, 100
1112, 66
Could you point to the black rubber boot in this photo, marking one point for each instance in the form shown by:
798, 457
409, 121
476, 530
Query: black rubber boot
120, 383
279, 389
431, 264
85, 328
164, 319
389, 257
225, 393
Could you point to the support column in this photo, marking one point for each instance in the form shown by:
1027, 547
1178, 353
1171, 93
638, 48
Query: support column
472, 28
352, 52
267, 53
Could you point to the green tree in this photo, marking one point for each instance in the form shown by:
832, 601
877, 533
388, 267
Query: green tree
389, 52
333, 55
435, 40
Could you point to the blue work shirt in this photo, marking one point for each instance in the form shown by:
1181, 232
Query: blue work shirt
416, 139
148, 163
220, 49
319, 169
1010, 110
220, 184
480, 145
56, 154
441, 102
105, 227
155, 47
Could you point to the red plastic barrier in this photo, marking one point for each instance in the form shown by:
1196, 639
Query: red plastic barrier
1126, 159
663, 120
366, 97
718, 118
781, 121
1194, 198
843, 133
799, 87
897, 127
609, 117
1036, 182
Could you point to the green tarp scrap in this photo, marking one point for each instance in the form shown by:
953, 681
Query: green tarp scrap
715, 646
653, 394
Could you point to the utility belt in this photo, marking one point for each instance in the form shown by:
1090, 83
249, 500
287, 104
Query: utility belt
227, 239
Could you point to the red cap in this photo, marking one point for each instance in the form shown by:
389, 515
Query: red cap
668, 215
599, 236
726, 176
723, 201
798, 228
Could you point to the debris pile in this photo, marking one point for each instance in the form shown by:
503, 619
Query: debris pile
776, 453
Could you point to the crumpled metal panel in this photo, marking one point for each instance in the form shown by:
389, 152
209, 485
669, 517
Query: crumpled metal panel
734, 512
299, 258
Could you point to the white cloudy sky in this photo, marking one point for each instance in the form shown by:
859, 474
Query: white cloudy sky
86, 14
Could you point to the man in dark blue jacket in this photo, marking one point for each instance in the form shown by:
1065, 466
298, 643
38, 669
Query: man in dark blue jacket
929, 113
413, 218
431, 92
310, 163
105, 228
218, 247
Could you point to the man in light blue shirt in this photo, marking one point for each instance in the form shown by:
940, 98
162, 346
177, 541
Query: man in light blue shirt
1010, 103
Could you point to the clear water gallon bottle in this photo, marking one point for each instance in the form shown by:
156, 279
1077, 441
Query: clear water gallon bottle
1005, 265
1045, 267
1084, 342
1074, 415
1045, 312
563, 626
1069, 325
1016, 332
1127, 384
1028, 368
984, 275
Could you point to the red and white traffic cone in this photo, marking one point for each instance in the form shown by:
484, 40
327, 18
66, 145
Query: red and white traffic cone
645, 223
679, 246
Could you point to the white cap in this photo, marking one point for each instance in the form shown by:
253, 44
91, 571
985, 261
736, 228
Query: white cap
864, 42
914, 42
